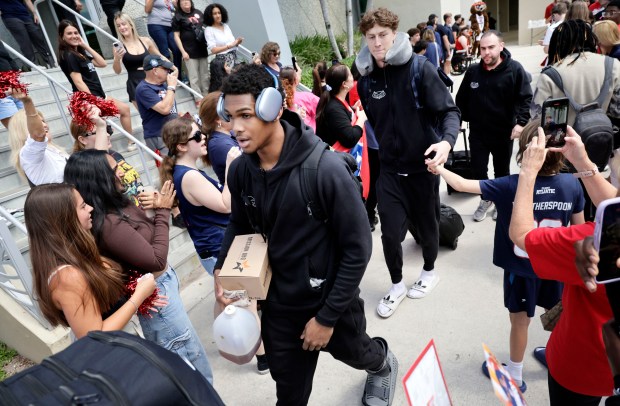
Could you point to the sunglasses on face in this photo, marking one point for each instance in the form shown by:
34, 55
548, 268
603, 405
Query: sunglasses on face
196, 137
277, 53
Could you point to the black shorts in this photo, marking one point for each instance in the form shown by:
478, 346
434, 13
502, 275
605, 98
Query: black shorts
524, 294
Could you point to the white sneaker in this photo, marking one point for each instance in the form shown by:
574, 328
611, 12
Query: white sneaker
388, 305
481, 212
423, 287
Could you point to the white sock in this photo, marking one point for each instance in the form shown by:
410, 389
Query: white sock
427, 275
515, 369
398, 289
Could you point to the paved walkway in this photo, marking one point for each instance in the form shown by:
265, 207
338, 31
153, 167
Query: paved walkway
465, 310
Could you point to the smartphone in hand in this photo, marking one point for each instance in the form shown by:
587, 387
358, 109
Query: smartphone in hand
607, 240
553, 121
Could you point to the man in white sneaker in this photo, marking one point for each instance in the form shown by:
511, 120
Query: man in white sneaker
494, 98
414, 129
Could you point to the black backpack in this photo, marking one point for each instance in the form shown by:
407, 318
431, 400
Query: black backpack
591, 122
111, 368
451, 227
309, 169
308, 181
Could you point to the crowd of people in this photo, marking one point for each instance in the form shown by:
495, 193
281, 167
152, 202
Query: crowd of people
259, 135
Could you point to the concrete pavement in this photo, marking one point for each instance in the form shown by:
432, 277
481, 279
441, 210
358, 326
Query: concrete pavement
465, 310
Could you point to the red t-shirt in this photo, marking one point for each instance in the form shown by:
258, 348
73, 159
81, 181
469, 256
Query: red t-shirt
594, 6
575, 351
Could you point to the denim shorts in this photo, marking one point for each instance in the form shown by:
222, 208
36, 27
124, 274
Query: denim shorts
172, 329
208, 264
9, 106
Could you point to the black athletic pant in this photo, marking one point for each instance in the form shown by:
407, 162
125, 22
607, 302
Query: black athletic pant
501, 149
373, 166
110, 8
29, 37
292, 367
560, 396
408, 199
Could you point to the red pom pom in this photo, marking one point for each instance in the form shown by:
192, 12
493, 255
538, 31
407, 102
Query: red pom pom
10, 80
79, 105
130, 288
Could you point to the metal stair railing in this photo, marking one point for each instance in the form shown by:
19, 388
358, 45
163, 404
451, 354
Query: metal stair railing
15, 275
80, 19
142, 148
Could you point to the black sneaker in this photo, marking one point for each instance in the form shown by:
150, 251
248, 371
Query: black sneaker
262, 365
381, 385
178, 221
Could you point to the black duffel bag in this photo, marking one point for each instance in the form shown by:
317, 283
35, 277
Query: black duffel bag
110, 368
451, 227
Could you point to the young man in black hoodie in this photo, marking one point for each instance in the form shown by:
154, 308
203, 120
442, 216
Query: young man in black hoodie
313, 302
494, 98
413, 133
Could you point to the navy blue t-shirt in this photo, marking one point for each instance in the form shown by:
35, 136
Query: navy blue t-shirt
218, 146
148, 95
205, 226
15, 9
556, 198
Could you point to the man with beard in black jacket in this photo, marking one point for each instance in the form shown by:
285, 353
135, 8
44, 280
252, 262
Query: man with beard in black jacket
313, 302
494, 98
415, 132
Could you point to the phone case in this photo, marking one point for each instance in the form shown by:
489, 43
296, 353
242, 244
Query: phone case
598, 229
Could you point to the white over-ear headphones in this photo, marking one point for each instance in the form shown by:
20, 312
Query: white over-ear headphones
267, 106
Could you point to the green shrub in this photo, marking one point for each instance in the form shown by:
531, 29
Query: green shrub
310, 50
6, 355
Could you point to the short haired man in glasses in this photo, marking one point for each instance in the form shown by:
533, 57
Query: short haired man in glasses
155, 99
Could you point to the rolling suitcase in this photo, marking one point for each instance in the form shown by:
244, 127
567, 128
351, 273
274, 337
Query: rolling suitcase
459, 162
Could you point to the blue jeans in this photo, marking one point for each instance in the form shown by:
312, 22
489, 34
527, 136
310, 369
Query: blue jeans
172, 329
164, 39
208, 264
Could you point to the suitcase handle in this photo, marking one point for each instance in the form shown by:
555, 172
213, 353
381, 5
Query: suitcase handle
464, 131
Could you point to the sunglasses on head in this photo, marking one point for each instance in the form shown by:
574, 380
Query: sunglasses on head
196, 137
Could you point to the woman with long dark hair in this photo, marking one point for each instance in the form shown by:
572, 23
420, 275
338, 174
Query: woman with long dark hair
220, 40
79, 67
318, 78
336, 121
76, 287
126, 234
218, 71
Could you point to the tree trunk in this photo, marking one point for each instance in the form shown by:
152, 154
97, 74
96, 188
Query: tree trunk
349, 11
330, 33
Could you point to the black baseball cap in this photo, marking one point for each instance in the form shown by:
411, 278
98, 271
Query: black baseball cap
153, 61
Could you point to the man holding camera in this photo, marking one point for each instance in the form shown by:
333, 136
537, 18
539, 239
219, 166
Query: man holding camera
155, 99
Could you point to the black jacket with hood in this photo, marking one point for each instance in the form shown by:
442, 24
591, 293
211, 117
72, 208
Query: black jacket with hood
493, 101
300, 247
403, 131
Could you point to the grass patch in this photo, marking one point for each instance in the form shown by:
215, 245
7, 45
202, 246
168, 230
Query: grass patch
312, 49
6, 355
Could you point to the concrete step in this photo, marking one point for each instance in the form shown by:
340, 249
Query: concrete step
27, 336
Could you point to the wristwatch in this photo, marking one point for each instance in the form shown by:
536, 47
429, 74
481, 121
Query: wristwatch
586, 174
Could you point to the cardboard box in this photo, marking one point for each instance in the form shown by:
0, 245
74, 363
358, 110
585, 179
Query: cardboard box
247, 266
